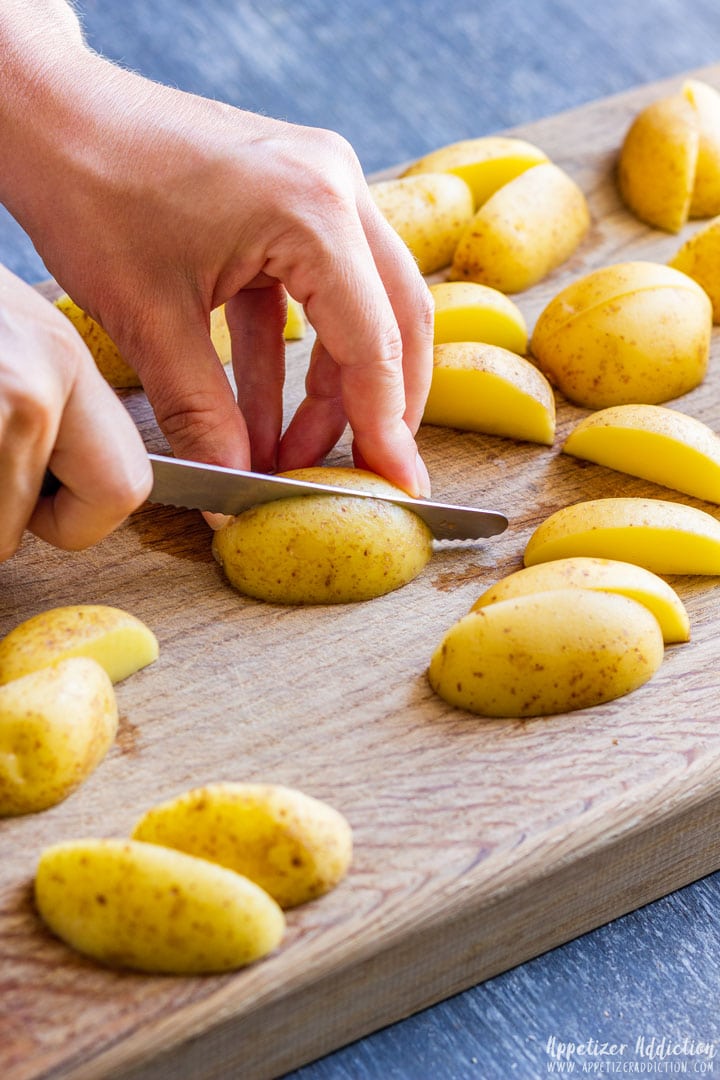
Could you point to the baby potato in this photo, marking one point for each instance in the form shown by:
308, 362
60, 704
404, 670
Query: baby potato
478, 387
428, 212
524, 231
56, 725
324, 549
669, 165
148, 908
468, 311
654, 442
635, 332
664, 537
485, 163
607, 575
549, 652
111, 365
295, 325
699, 258
293, 846
118, 641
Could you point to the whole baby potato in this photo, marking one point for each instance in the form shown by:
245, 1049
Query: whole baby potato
324, 549
292, 845
632, 333
547, 652
526, 229
56, 725
428, 212
148, 908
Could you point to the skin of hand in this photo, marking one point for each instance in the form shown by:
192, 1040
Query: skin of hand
151, 207
56, 408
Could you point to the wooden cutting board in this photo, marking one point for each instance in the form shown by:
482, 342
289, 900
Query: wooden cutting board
479, 843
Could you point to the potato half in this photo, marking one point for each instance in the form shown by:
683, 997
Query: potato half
292, 845
117, 640
478, 387
148, 908
324, 549
427, 212
468, 311
549, 652
699, 258
525, 230
634, 332
56, 725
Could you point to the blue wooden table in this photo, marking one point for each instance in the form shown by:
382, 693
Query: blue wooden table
398, 79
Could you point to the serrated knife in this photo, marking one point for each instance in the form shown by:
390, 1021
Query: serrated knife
215, 488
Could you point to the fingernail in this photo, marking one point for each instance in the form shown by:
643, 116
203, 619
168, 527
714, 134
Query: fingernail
423, 478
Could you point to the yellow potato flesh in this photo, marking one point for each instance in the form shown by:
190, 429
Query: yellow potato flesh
658, 159
485, 164
118, 641
468, 311
293, 846
56, 725
664, 537
111, 365
428, 212
484, 388
550, 652
295, 325
525, 230
699, 258
606, 575
630, 333
324, 549
658, 444
705, 100
144, 907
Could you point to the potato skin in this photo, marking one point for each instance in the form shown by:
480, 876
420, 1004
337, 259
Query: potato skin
290, 844
631, 333
148, 908
324, 549
546, 653
56, 725
428, 212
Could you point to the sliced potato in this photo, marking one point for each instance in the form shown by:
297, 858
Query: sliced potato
606, 575
56, 725
295, 325
118, 641
428, 212
656, 443
665, 537
634, 332
485, 163
699, 258
549, 652
478, 387
705, 100
148, 908
293, 846
324, 549
467, 311
525, 230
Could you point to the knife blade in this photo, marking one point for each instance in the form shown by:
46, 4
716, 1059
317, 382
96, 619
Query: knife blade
196, 486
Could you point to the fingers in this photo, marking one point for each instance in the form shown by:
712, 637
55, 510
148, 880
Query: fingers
256, 320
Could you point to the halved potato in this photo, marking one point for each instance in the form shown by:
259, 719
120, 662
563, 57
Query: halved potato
549, 652
115, 639
634, 332
606, 575
428, 213
654, 442
665, 537
485, 163
699, 258
468, 311
478, 387
526, 229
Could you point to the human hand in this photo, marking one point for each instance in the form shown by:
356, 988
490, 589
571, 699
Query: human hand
57, 410
172, 205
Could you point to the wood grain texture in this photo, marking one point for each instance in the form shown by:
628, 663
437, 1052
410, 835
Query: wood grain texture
478, 843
